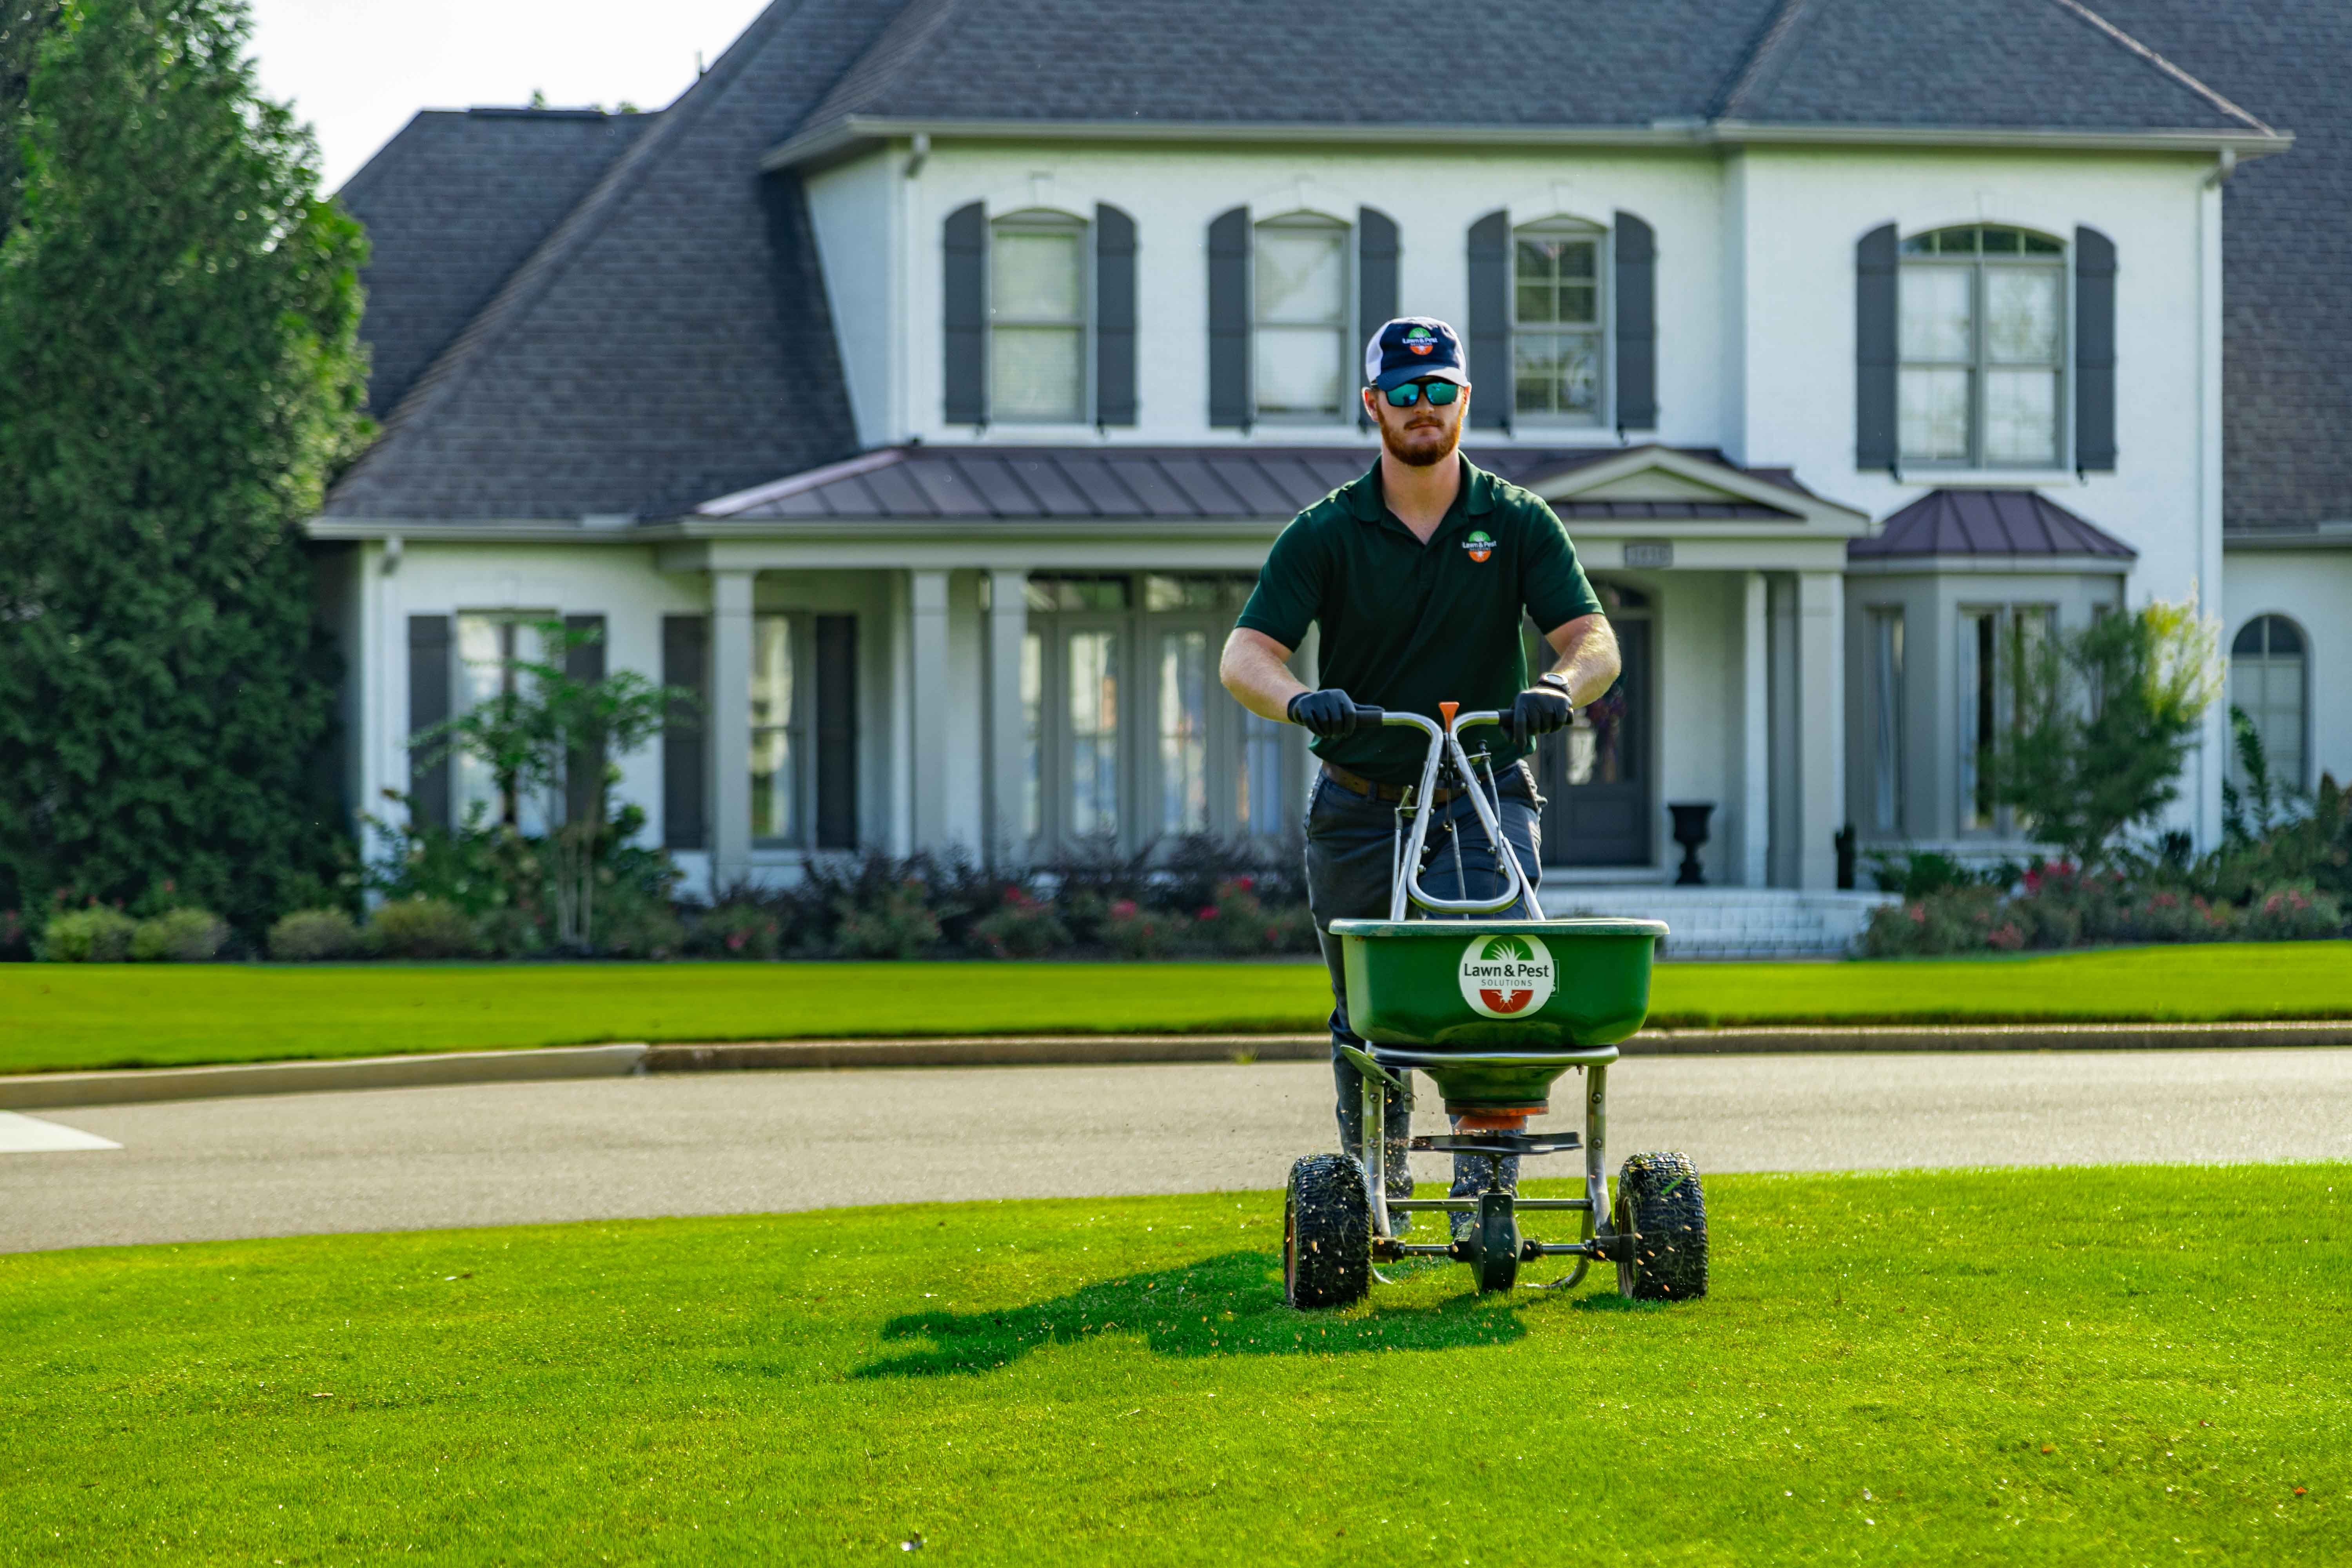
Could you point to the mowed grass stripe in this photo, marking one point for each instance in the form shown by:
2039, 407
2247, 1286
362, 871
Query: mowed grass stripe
72, 1016
2063, 1366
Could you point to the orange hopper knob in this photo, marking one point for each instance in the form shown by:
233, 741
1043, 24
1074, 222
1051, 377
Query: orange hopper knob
1446, 711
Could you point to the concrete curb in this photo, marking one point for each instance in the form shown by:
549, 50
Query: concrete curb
35, 1092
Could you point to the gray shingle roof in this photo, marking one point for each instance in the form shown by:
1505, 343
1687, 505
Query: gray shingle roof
1988, 522
452, 205
668, 341
2286, 234
2038, 64
1157, 483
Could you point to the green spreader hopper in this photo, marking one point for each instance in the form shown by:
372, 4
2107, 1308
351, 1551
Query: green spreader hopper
1495, 1009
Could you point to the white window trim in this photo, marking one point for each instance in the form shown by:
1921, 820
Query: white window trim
1953, 471
1350, 369
1042, 220
1604, 281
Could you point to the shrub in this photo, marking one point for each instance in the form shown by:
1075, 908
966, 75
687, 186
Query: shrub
1134, 932
310, 936
2295, 912
736, 931
1240, 925
424, 928
16, 937
95, 935
1923, 873
179, 936
1020, 927
1961, 920
631, 923
2168, 914
900, 924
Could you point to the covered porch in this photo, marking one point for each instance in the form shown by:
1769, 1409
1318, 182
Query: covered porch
1013, 651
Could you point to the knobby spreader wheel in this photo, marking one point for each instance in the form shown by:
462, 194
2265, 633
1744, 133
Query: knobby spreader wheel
1659, 1199
1326, 1233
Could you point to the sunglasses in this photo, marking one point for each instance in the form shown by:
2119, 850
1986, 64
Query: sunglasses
1441, 393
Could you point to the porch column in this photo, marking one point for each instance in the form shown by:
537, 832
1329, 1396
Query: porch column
729, 725
1755, 735
930, 699
1821, 724
1006, 737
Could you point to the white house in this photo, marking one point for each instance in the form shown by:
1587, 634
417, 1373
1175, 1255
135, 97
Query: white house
925, 386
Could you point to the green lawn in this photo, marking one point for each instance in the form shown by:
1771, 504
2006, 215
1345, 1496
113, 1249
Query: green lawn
60, 1016
2070, 1366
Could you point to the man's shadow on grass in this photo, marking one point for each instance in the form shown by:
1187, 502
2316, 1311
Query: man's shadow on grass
1224, 1305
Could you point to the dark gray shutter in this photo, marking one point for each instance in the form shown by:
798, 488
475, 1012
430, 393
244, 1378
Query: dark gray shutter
686, 662
2095, 351
428, 704
1229, 320
836, 732
1636, 252
1114, 317
1875, 308
584, 662
1376, 279
965, 312
1490, 321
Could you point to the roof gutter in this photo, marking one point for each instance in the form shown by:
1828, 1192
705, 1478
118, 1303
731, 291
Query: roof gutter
856, 133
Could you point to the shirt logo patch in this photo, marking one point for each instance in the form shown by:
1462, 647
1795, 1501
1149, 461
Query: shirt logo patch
1419, 340
1479, 546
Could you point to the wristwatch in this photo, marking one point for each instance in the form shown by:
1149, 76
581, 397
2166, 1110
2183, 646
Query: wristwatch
1554, 679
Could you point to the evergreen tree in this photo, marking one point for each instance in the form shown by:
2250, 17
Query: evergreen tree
22, 23
179, 374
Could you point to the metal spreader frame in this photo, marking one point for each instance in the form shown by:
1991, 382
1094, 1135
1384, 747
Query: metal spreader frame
1494, 1247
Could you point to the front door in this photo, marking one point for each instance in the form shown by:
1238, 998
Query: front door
1595, 777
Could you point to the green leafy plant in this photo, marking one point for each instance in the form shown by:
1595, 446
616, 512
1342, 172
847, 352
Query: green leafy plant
1133, 931
1022, 926
98, 934
736, 931
179, 936
900, 924
556, 736
423, 928
2105, 717
180, 375
312, 936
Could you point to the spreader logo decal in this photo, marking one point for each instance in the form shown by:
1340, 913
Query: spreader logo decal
1480, 545
1506, 976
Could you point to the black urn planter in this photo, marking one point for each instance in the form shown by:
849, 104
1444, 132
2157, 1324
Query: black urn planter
1690, 831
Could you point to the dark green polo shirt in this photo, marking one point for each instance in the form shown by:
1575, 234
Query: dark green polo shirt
1408, 624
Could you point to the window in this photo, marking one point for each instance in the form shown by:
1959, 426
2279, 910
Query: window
1037, 319
1129, 737
490, 648
780, 747
1995, 643
1886, 677
1302, 342
2269, 678
1983, 336
1557, 340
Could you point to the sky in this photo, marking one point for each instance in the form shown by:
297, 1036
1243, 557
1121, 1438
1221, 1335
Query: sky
356, 69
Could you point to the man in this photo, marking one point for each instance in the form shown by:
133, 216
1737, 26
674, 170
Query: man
1419, 575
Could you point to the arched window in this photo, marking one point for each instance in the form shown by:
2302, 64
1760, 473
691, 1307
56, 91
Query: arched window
1302, 350
1037, 319
2269, 681
1556, 338
1983, 349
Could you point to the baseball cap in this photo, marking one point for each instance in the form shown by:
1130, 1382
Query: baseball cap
1414, 348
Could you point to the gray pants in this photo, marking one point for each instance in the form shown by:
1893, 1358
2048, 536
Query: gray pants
1349, 847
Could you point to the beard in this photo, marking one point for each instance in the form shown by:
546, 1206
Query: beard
1422, 445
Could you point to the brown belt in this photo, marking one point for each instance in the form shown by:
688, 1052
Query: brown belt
1355, 784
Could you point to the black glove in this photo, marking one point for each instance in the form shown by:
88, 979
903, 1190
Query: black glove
1539, 710
1329, 713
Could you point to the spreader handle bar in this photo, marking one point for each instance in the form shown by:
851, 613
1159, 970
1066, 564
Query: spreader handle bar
1445, 745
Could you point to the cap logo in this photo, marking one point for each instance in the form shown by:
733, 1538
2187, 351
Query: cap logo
1419, 340
1479, 546
1506, 976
